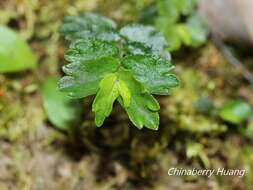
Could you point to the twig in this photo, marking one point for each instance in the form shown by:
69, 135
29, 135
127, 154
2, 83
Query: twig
233, 60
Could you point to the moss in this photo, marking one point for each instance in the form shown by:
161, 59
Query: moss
34, 155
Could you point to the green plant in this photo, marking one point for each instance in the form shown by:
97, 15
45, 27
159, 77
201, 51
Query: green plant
127, 65
179, 22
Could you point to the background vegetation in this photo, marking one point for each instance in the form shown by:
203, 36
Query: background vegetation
205, 123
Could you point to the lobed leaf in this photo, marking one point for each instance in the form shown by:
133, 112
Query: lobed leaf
91, 60
90, 49
84, 76
153, 73
148, 36
143, 108
111, 87
107, 94
89, 25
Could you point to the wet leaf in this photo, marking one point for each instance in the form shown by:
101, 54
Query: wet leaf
89, 25
148, 36
152, 73
128, 70
90, 63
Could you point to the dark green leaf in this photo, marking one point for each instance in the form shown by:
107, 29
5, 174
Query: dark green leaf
235, 111
84, 77
62, 111
149, 36
15, 54
152, 73
89, 25
90, 49
91, 61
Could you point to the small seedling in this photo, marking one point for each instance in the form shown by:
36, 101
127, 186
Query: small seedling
127, 65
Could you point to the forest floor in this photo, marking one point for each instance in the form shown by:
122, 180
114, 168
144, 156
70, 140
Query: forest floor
34, 155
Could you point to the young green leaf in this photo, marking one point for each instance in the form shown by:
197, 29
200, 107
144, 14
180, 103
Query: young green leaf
111, 88
107, 94
62, 111
143, 109
124, 93
15, 54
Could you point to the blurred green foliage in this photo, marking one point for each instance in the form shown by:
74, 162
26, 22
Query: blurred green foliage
15, 54
179, 22
235, 111
190, 112
62, 111
204, 105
